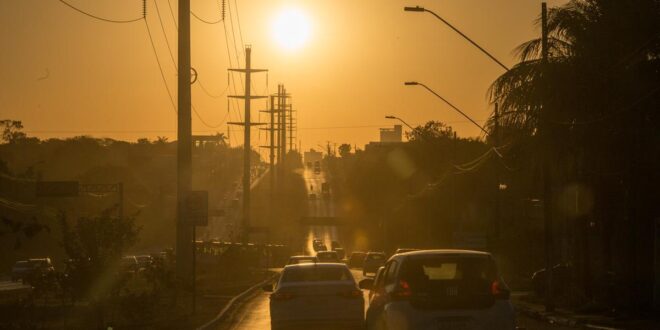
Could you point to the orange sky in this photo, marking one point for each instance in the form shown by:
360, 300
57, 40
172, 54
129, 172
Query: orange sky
102, 79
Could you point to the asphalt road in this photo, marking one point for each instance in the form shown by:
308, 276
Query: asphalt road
255, 314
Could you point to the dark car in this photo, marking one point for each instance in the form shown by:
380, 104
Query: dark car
327, 256
440, 289
373, 261
356, 260
404, 250
26, 269
318, 245
340, 253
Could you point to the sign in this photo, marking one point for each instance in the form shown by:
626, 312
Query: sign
57, 188
196, 206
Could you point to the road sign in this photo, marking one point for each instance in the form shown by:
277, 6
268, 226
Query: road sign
57, 188
196, 205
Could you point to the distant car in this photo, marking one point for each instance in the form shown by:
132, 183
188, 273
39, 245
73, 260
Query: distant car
144, 261
318, 245
294, 260
308, 296
373, 261
440, 289
334, 245
27, 269
312, 196
327, 256
130, 264
356, 260
404, 250
341, 254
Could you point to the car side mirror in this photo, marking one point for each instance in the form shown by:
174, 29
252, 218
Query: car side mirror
268, 287
366, 284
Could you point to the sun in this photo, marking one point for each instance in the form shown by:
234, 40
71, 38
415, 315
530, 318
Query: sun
291, 28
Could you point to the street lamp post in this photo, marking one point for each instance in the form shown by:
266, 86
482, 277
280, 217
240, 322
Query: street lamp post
401, 120
422, 9
414, 83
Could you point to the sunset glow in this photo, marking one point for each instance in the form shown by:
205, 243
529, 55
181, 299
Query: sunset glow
291, 29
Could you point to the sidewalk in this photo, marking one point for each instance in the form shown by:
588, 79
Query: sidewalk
524, 305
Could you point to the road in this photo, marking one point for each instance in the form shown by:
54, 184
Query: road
255, 314
318, 206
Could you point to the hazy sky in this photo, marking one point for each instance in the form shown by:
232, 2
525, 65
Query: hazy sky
65, 74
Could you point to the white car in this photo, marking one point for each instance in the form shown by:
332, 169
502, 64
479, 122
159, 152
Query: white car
440, 289
309, 296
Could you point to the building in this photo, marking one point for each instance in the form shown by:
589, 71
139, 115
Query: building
389, 135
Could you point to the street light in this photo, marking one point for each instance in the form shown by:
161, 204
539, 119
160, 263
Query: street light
422, 9
399, 119
414, 83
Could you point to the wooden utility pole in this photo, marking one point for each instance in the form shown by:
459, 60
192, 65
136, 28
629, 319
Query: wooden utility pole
283, 126
272, 145
184, 228
245, 232
545, 162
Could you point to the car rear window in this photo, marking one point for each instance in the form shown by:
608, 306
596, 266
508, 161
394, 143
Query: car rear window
302, 261
424, 272
376, 257
316, 274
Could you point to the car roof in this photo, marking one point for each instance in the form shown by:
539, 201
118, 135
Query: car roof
319, 265
302, 257
445, 252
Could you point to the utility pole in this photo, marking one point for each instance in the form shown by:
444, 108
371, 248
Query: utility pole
184, 228
245, 233
545, 149
283, 110
291, 137
271, 146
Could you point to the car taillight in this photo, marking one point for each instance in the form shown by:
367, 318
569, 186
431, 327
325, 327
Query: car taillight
499, 290
403, 291
353, 293
281, 296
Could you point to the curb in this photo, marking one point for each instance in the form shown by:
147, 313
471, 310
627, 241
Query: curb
234, 301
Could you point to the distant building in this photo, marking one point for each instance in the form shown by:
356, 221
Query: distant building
389, 135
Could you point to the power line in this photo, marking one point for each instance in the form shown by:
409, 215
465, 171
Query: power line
205, 21
206, 91
160, 67
169, 49
102, 18
169, 4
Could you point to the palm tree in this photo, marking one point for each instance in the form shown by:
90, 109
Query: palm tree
599, 91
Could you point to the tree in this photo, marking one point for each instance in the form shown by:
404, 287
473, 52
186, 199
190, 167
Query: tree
432, 130
11, 130
599, 95
345, 150
95, 246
